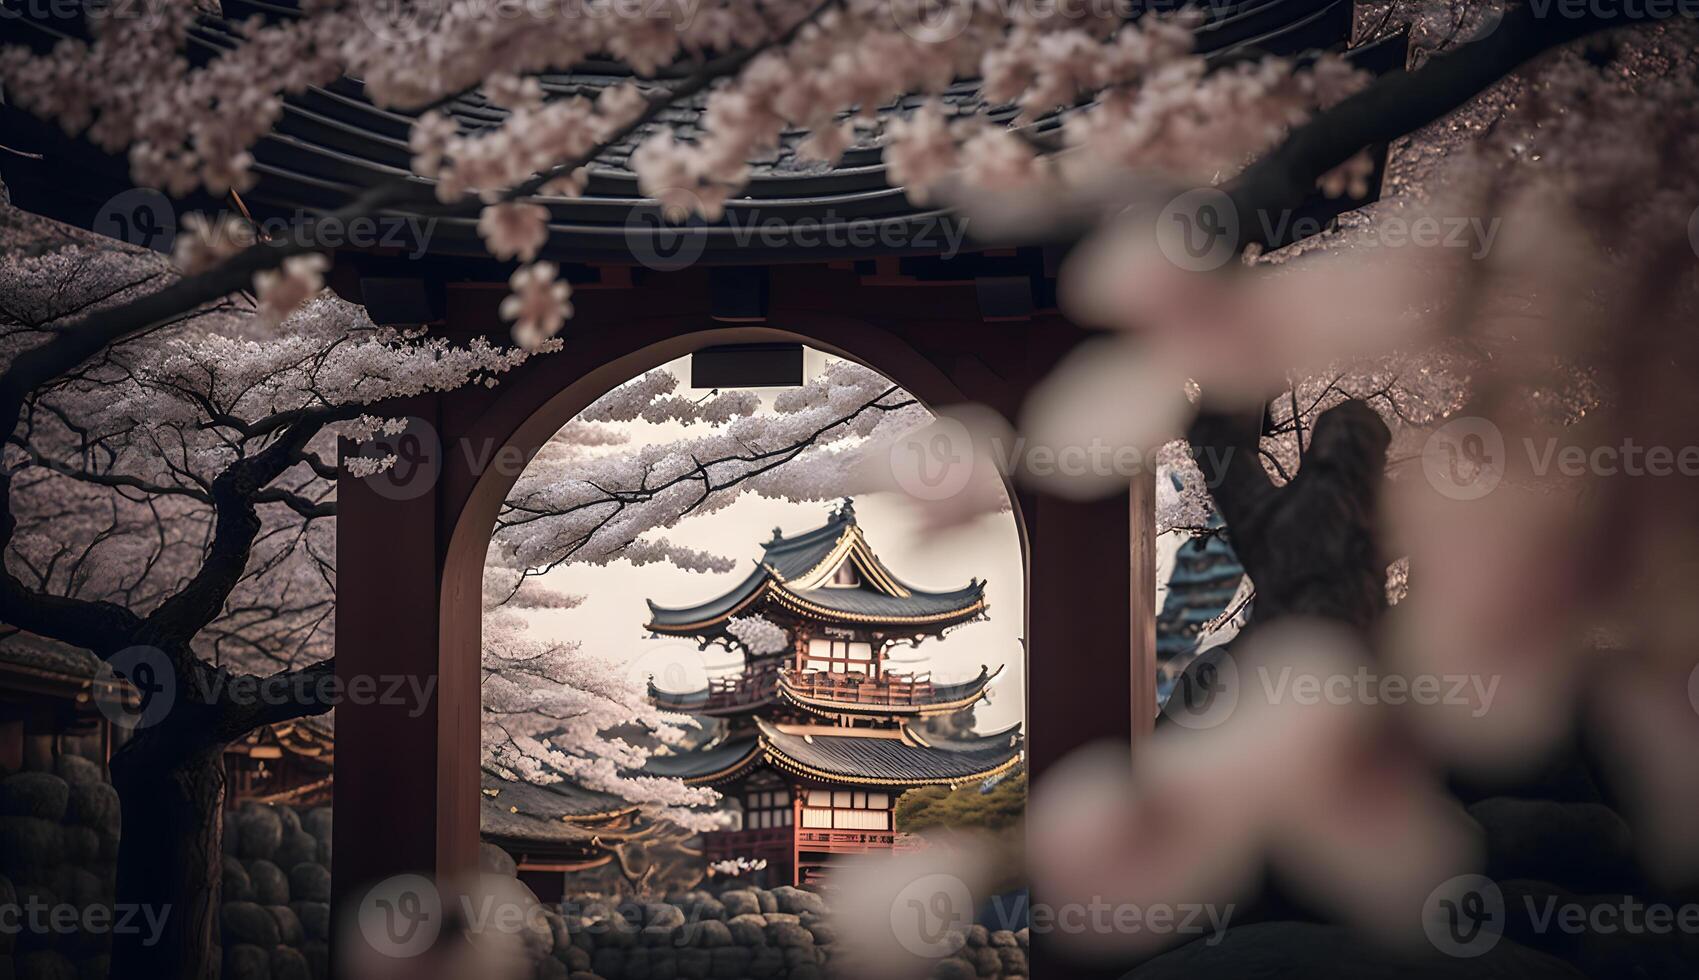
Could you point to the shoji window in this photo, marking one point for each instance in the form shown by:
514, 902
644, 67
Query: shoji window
846, 810
767, 809
839, 656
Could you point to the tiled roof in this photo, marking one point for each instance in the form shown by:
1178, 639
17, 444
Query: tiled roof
705, 766
332, 143
48, 656
559, 813
873, 758
880, 596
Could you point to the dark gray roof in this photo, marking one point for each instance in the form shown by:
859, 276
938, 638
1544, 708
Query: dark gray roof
789, 556
49, 656
703, 765
892, 761
796, 555
663, 617
332, 143
961, 689
871, 602
532, 814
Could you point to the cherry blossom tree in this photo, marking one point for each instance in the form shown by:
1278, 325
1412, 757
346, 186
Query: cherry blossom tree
118, 508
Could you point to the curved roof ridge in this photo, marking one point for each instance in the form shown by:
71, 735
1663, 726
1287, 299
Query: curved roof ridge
893, 762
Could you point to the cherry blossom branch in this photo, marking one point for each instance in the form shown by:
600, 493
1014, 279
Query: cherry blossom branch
179, 618
1399, 103
698, 81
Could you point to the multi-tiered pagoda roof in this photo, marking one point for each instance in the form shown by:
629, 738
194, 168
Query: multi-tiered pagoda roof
820, 735
797, 573
826, 577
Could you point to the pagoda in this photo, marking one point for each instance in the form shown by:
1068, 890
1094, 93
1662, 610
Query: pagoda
820, 737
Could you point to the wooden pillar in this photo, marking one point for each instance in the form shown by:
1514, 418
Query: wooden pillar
1091, 641
1091, 622
390, 816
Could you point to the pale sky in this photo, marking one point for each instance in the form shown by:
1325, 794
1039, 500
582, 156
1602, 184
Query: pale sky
610, 619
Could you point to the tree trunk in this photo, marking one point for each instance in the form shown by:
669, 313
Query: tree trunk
171, 787
1311, 547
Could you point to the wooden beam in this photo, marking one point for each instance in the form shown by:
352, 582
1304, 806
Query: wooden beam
1141, 558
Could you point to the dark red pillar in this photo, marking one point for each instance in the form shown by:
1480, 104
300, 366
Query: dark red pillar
1091, 641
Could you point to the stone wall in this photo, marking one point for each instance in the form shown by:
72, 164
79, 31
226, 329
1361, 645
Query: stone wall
276, 914
58, 850
59, 841
739, 934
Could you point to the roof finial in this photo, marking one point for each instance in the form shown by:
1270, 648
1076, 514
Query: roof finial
847, 511
778, 532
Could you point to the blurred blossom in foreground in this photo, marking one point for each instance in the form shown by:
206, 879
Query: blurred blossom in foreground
1649, 723
1498, 589
1101, 416
1241, 332
1262, 775
488, 927
897, 915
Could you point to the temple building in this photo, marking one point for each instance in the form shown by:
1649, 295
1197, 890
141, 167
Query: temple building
1208, 598
821, 737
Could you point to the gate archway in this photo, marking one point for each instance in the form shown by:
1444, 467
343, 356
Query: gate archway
410, 566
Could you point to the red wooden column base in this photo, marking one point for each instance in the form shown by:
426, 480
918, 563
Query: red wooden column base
1091, 641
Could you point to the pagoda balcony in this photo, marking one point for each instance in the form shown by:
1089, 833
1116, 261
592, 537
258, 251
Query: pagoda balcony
845, 841
772, 843
721, 696
888, 690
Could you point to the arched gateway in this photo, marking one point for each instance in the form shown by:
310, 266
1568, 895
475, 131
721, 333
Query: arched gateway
411, 562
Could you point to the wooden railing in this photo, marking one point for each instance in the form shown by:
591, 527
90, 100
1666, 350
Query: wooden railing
886, 690
844, 840
727, 693
720, 845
